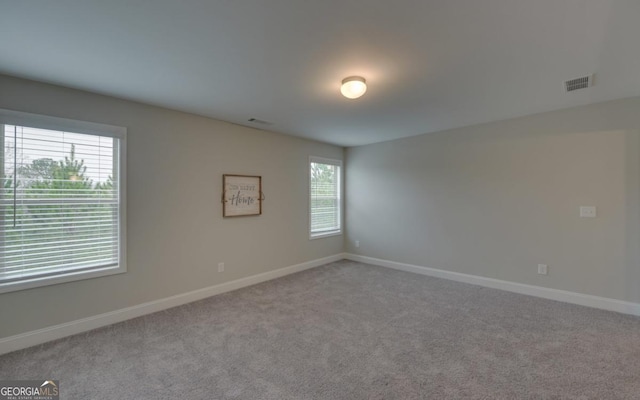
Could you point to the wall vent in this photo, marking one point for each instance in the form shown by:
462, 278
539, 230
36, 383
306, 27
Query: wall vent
259, 121
578, 83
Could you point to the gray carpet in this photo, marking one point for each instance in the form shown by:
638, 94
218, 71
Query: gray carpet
350, 331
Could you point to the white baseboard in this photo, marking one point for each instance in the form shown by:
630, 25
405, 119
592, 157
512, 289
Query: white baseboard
32, 338
603, 303
28, 339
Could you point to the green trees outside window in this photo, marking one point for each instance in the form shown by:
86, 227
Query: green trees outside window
55, 216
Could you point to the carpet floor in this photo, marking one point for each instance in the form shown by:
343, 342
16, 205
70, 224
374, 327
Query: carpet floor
349, 331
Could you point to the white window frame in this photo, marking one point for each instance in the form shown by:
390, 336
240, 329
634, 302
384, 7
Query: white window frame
338, 163
9, 117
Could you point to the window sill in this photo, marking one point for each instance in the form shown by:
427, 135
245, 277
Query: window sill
70, 276
325, 234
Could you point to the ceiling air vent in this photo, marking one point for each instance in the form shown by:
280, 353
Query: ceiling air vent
259, 121
578, 83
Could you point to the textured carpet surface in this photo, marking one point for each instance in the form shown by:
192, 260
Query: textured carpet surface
349, 331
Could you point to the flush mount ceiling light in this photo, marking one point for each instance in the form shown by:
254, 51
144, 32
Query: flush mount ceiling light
353, 87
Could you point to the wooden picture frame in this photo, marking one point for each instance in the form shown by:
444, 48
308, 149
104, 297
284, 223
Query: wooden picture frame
241, 195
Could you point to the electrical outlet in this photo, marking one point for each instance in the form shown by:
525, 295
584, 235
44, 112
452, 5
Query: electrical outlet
357, 243
588, 211
221, 267
542, 269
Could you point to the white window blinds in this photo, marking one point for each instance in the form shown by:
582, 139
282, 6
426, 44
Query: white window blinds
59, 203
325, 207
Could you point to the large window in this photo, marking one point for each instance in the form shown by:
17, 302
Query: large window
325, 204
61, 200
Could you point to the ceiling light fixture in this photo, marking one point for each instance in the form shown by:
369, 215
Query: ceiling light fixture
353, 87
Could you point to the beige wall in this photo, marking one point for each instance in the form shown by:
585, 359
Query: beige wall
496, 200
176, 235
492, 200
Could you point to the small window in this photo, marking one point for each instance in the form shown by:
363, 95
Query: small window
61, 200
325, 197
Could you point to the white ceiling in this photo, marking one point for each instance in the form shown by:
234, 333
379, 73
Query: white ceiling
430, 64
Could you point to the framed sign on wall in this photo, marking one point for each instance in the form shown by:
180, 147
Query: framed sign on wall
241, 195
